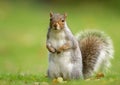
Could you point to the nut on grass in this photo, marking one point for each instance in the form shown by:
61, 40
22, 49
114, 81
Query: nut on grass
54, 81
59, 80
99, 75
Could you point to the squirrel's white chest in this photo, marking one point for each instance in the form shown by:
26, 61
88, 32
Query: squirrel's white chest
57, 39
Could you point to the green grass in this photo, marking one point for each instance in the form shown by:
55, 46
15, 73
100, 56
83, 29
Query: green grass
23, 28
21, 79
31, 79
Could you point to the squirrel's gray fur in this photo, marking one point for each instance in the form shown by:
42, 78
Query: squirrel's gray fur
76, 57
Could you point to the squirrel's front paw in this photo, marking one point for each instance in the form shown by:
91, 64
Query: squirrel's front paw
63, 47
51, 49
59, 50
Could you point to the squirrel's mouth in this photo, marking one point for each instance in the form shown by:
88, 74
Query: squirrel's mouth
56, 28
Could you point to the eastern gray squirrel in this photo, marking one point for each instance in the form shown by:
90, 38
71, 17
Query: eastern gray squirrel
77, 57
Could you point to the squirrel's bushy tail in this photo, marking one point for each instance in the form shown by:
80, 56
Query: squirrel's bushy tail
97, 50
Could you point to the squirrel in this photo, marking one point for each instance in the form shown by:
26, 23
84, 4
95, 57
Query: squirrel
76, 57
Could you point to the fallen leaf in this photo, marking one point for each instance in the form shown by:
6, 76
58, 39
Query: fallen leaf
60, 79
54, 81
99, 75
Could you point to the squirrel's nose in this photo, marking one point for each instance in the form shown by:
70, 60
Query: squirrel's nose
55, 25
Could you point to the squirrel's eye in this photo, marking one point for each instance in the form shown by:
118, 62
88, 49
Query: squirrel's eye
50, 19
63, 20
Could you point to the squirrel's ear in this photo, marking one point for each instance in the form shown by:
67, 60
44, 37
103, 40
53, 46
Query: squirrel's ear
51, 14
65, 15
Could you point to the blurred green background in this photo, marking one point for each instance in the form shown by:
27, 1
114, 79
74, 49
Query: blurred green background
24, 23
